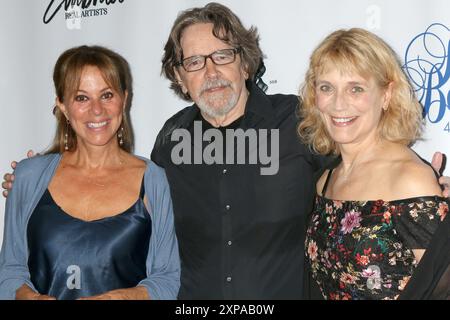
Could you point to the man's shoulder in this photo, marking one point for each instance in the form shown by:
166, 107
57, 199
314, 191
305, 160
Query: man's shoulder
177, 117
283, 100
284, 105
179, 120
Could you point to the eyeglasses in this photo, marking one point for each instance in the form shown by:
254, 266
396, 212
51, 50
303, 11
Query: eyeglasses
219, 57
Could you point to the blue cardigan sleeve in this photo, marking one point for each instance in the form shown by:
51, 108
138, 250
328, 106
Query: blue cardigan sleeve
14, 254
163, 261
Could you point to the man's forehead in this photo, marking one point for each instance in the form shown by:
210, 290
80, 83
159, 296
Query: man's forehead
198, 39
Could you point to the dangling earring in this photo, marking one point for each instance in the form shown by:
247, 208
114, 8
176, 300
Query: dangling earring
120, 136
66, 136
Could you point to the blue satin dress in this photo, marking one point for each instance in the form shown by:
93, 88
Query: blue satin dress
71, 258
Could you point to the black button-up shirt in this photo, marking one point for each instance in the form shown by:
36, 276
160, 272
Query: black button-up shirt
240, 233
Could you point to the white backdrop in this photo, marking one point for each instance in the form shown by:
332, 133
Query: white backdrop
138, 29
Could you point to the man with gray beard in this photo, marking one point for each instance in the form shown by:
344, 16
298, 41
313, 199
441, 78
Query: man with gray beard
206, 103
240, 232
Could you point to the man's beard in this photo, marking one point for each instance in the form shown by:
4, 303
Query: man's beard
217, 104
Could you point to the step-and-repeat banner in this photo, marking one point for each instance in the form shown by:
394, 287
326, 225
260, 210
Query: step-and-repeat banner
34, 32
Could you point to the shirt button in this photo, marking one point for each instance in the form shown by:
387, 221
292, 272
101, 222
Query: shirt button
230, 243
228, 279
227, 207
224, 171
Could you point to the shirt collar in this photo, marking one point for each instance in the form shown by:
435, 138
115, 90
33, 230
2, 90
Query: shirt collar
258, 108
258, 103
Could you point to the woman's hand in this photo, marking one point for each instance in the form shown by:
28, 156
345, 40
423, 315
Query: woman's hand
136, 293
438, 162
26, 293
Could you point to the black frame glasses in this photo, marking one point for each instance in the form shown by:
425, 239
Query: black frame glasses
219, 57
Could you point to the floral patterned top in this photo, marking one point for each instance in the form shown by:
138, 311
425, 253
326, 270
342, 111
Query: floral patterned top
362, 249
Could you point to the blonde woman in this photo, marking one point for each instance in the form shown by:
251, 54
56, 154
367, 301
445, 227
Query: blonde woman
377, 211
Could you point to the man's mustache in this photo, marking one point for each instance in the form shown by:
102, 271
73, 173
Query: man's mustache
212, 84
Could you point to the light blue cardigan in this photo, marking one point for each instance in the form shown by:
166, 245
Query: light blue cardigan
32, 179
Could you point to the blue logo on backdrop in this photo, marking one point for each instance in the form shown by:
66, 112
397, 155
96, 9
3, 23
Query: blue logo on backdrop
427, 63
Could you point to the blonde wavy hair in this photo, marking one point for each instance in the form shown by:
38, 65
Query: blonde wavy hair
362, 52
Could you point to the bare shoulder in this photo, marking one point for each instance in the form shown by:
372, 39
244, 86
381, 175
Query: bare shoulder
413, 178
135, 162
